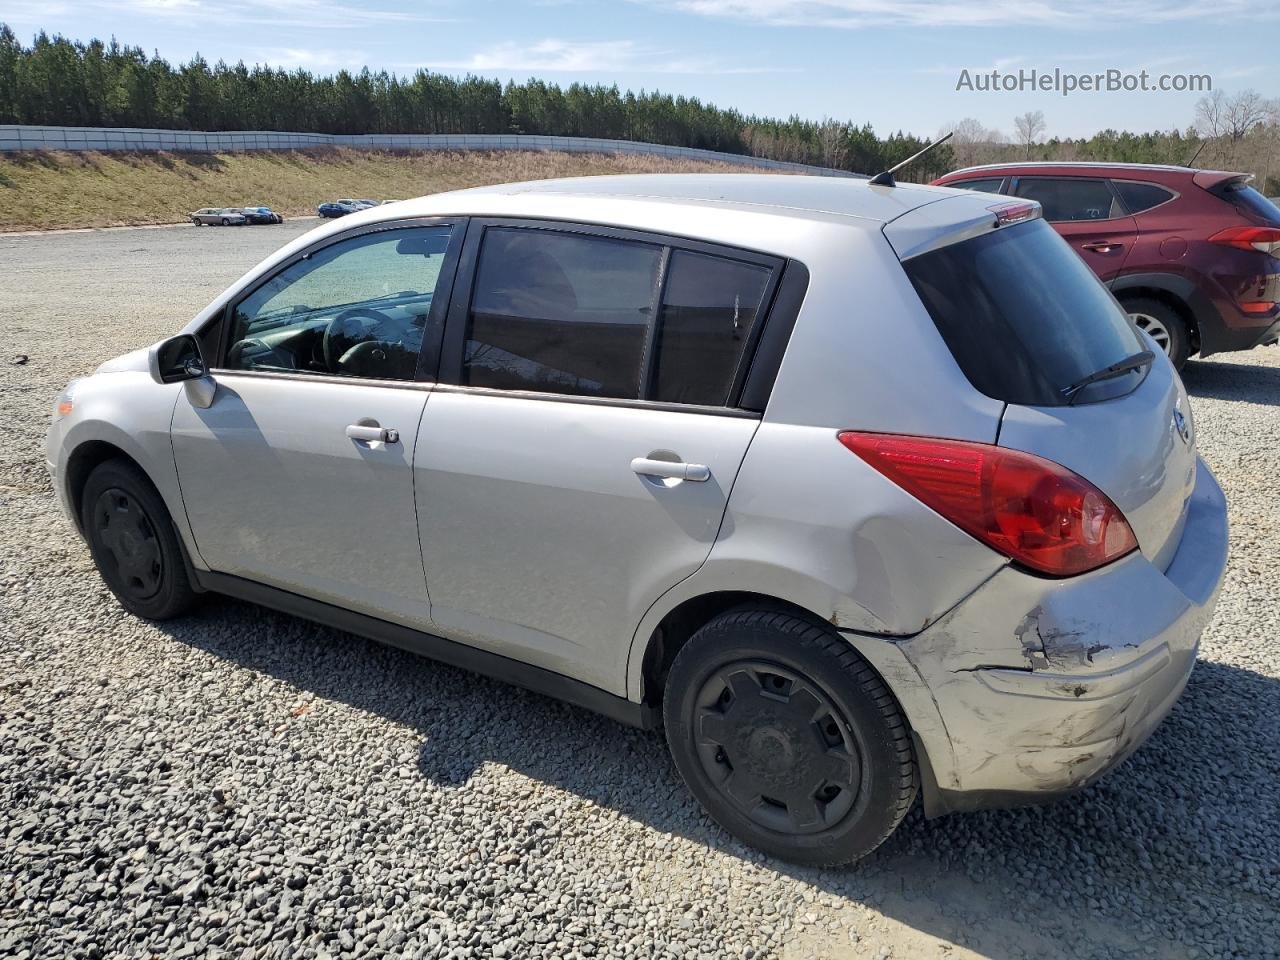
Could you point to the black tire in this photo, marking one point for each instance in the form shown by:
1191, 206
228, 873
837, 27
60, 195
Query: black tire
1165, 323
807, 718
133, 542
226, 222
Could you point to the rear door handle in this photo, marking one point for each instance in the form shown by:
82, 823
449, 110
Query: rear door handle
671, 470
360, 431
1102, 246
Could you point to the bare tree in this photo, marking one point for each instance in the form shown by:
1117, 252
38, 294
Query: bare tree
834, 140
967, 138
1030, 127
1232, 117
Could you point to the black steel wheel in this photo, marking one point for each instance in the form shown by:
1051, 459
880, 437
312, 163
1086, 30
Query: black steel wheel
788, 738
129, 542
133, 542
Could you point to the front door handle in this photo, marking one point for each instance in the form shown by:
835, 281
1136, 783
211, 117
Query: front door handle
671, 470
372, 434
1102, 246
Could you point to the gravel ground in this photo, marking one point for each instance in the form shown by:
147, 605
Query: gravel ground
245, 784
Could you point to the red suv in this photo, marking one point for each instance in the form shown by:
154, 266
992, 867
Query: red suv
1191, 254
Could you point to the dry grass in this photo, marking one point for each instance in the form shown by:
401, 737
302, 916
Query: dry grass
42, 191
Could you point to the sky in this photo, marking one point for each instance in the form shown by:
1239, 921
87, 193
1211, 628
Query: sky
896, 65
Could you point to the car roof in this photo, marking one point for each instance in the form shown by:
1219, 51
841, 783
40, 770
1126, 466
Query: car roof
812, 197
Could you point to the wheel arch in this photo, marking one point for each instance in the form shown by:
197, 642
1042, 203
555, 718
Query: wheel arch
683, 620
81, 462
1177, 293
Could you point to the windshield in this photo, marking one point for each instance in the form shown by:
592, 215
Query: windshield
1024, 317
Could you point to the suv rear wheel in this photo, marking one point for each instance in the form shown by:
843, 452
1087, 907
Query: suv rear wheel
133, 542
1163, 324
788, 738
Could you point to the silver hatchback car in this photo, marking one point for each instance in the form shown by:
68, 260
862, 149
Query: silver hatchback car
860, 491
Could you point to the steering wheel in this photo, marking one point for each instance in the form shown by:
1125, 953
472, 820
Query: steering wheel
349, 328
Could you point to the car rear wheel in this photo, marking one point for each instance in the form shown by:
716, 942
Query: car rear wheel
226, 222
1164, 325
133, 542
788, 738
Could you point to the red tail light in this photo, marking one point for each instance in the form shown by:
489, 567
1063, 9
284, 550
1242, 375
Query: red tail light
1030, 509
1265, 239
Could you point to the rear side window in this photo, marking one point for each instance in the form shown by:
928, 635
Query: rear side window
1138, 197
570, 313
1070, 198
1023, 316
561, 313
987, 185
710, 307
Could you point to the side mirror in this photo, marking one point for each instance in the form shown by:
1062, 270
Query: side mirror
177, 359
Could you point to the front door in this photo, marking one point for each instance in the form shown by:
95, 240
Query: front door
299, 474
1087, 214
580, 463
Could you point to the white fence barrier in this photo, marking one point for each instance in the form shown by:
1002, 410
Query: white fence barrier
15, 138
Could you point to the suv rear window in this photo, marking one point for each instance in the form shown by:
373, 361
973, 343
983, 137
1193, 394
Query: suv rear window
1243, 196
1023, 316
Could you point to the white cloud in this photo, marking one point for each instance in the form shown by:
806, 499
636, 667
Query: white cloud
853, 14
589, 56
319, 14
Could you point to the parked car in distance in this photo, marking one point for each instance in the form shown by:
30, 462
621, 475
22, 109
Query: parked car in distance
219, 217
858, 491
340, 208
261, 215
1191, 254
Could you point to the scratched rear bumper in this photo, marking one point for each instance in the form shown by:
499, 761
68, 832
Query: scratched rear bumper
1041, 686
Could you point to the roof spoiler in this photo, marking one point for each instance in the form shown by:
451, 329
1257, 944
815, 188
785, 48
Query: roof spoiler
1208, 179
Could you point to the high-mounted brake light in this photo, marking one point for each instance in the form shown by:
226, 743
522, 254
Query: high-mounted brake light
1013, 212
1032, 510
1264, 239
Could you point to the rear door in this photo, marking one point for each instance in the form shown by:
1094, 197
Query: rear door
1087, 214
580, 462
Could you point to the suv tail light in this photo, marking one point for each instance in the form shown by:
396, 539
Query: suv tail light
1265, 239
1032, 510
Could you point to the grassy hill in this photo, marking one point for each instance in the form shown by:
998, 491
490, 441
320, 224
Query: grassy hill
42, 191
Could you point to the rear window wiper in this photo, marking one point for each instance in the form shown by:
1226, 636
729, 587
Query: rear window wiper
1137, 361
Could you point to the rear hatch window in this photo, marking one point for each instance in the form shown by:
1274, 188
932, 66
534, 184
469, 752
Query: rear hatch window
1024, 317
1249, 201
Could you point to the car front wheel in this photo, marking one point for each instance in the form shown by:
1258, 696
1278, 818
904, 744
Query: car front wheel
133, 542
788, 738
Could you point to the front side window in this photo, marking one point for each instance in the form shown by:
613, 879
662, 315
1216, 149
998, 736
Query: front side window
561, 313
1070, 198
356, 308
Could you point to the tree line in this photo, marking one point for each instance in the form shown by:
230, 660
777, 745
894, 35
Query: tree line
56, 81
61, 82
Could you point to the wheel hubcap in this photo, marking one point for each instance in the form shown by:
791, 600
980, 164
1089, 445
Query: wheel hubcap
1153, 328
129, 542
777, 747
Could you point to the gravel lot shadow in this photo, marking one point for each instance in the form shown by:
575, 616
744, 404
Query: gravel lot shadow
1223, 380
1121, 844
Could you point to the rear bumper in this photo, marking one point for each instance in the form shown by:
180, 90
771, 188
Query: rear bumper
1034, 688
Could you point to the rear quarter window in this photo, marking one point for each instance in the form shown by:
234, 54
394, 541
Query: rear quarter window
1140, 197
1023, 316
